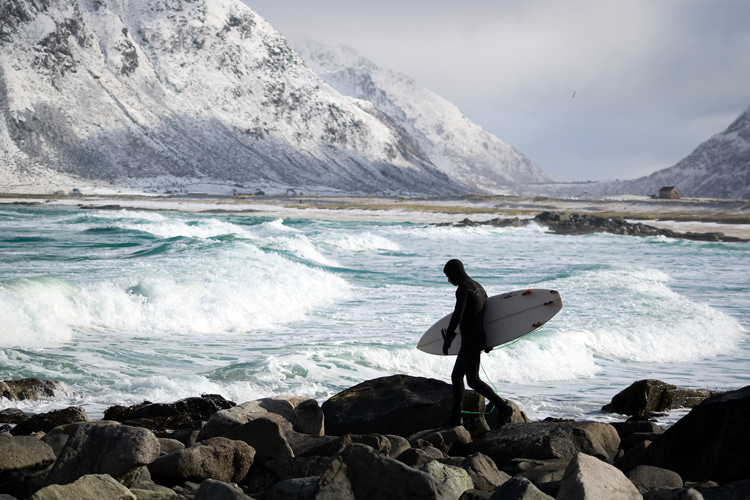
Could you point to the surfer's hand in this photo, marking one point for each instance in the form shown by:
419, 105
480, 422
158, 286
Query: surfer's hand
446, 341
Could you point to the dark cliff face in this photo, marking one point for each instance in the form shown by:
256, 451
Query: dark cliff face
205, 89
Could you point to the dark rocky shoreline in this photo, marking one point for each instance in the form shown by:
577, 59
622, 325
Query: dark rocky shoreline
576, 223
382, 438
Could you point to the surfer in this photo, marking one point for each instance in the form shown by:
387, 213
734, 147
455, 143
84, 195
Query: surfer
469, 315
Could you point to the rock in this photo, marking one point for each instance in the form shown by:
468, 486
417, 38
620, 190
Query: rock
30, 388
449, 440
549, 440
24, 453
475, 495
483, 472
103, 449
646, 477
398, 445
210, 489
303, 414
495, 418
265, 436
634, 432
167, 446
45, 422
674, 494
420, 455
711, 442
12, 416
519, 488
646, 397
589, 478
89, 487
272, 472
398, 404
56, 441
359, 472
738, 490
303, 488
185, 414
634, 457
453, 481
216, 458
538, 471
306, 445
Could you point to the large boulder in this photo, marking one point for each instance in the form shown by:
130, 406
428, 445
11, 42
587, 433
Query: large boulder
450, 440
646, 397
45, 422
589, 478
452, 481
648, 477
30, 388
549, 440
24, 453
300, 414
483, 472
712, 442
111, 449
216, 458
89, 487
266, 437
361, 472
398, 404
188, 413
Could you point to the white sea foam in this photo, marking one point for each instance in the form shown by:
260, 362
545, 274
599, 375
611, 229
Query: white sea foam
363, 242
241, 290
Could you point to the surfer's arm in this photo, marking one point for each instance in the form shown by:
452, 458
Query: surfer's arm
458, 314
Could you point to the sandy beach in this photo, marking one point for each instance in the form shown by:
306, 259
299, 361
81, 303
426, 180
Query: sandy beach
731, 217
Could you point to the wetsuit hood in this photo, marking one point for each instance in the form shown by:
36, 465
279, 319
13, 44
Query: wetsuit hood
455, 271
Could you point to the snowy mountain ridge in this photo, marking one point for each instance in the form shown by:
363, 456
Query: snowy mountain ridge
453, 142
175, 92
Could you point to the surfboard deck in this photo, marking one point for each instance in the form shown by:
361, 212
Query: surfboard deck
507, 317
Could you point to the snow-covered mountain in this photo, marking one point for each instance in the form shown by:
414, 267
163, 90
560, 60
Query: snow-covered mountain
180, 91
717, 168
455, 144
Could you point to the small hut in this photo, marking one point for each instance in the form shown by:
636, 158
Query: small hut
669, 193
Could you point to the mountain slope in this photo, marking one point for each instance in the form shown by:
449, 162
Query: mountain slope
455, 145
717, 168
174, 89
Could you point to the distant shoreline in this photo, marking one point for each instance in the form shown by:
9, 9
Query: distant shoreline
732, 217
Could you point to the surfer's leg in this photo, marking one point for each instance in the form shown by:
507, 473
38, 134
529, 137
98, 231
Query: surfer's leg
457, 379
472, 378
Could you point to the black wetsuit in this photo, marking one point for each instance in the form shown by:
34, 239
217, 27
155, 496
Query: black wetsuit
469, 315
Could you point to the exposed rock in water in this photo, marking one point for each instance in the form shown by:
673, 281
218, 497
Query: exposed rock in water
575, 223
30, 388
646, 397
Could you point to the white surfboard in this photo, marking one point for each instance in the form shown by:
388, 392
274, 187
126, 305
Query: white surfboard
507, 316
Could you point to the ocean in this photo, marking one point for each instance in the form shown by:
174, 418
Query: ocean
131, 305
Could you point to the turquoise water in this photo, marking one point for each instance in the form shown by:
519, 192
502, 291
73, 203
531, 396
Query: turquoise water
126, 306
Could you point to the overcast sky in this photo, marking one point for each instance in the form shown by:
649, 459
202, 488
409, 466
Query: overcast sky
652, 78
